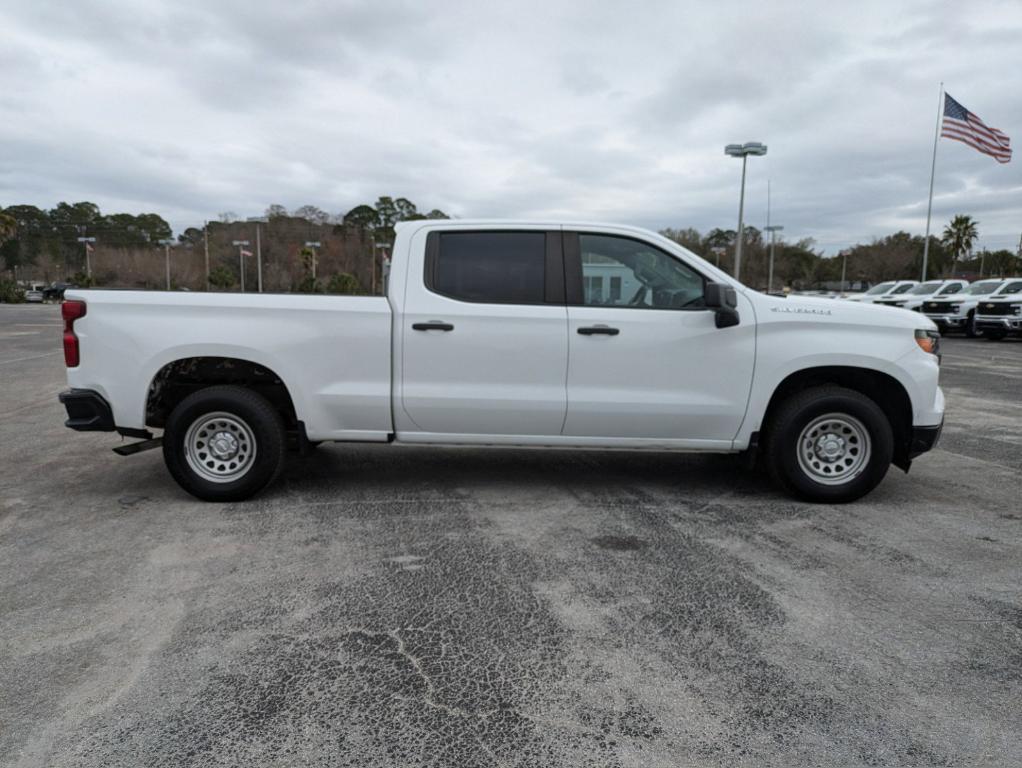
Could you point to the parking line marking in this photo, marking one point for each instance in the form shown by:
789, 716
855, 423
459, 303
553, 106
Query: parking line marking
33, 404
23, 359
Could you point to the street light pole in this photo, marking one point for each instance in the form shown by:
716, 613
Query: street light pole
844, 266
743, 151
166, 258
773, 229
241, 259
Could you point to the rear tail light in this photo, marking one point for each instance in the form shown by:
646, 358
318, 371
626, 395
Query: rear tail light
71, 311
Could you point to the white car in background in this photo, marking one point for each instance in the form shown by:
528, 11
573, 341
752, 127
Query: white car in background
932, 289
886, 290
958, 313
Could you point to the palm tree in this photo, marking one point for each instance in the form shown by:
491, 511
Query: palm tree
959, 236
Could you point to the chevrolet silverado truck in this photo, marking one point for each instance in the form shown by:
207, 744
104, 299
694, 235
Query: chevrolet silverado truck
883, 291
542, 335
958, 313
934, 289
1001, 315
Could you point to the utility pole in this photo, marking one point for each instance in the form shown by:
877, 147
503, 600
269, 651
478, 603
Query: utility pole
259, 260
242, 244
844, 265
773, 229
312, 245
205, 247
88, 249
166, 258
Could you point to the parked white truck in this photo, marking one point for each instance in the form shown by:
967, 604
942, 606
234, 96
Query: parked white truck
958, 313
1001, 314
496, 333
934, 289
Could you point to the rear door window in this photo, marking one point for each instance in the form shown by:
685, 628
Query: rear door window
492, 267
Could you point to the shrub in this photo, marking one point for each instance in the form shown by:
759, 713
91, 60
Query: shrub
11, 292
344, 283
309, 284
221, 278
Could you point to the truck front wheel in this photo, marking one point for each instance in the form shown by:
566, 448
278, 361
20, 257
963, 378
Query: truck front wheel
224, 443
829, 444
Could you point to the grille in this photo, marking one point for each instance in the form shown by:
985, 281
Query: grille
998, 308
943, 307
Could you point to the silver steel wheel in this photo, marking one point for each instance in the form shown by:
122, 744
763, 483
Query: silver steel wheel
834, 449
220, 447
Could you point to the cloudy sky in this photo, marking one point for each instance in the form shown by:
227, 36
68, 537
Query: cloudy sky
586, 110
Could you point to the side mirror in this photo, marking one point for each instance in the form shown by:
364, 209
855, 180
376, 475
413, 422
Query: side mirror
724, 300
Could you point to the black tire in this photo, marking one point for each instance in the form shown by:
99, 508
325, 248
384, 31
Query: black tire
258, 427
801, 410
970, 326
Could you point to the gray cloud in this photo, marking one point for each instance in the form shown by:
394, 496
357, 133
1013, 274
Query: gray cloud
575, 109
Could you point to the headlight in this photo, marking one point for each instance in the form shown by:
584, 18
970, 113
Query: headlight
928, 341
955, 308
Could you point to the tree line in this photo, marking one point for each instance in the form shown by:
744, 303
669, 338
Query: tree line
29, 233
898, 256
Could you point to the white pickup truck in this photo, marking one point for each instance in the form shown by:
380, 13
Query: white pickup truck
959, 312
511, 333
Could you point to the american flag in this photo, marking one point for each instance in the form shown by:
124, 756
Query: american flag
960, 124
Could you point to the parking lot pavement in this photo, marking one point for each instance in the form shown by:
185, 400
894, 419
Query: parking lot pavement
396, 606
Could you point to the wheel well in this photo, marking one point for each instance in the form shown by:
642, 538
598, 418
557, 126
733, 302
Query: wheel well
884, 390
176, 380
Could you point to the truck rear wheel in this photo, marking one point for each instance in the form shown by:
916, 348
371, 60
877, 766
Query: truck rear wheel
829, 444
224, 443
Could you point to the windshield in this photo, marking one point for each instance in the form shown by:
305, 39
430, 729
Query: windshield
953, 288
925, 288
1013, 287
902, 288
882, 288
987, 286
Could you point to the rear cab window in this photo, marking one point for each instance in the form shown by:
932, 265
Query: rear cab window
496, 267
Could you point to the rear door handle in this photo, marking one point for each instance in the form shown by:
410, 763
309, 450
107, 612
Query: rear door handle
433, 325
592, 330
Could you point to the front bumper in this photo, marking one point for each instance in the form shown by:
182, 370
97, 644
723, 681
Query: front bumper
998, 322
88, 411
948, 321
923, 439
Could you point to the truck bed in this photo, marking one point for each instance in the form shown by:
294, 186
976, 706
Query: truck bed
332, 352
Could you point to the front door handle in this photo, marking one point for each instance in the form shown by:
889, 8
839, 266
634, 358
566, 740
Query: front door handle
592, 330
433, 325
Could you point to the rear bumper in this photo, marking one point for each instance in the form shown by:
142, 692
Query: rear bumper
87, 411
923, 439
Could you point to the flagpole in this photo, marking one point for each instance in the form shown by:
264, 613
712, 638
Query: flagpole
933, 169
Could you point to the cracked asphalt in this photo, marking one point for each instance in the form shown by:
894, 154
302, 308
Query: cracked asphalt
389, 606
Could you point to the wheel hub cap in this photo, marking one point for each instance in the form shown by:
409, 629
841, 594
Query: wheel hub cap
830, 447
223, 445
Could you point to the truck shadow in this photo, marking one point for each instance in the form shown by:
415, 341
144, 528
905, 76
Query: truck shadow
388, 470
